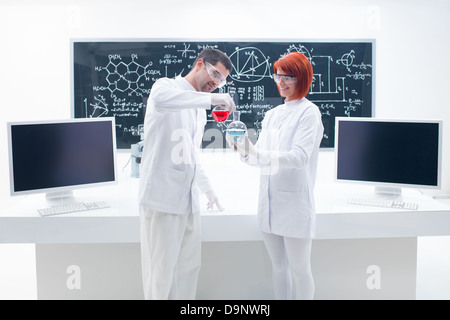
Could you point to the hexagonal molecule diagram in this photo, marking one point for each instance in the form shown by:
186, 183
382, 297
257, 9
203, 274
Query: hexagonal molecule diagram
124, 81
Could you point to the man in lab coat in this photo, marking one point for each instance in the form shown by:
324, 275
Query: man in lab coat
172, 179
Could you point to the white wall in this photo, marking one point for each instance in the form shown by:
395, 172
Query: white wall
411, 47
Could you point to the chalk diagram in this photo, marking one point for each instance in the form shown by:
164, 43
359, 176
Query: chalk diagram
120, 79
302, 49
327, 90
347, 60
249, 65
186, 50
99, 107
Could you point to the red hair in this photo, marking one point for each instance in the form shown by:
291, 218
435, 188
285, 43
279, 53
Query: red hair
297, 64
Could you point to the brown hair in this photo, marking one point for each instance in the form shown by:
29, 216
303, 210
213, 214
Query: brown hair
214, 56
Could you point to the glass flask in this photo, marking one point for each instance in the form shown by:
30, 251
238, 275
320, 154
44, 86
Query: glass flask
220, 114
236, 128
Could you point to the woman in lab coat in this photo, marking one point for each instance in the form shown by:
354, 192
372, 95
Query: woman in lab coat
287, 152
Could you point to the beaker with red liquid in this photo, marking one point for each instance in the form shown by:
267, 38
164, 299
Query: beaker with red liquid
220, 114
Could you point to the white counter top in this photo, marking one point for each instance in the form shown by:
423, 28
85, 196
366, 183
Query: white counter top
21, 223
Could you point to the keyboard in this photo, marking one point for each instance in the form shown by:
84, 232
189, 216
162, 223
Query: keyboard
383, 203
73, 207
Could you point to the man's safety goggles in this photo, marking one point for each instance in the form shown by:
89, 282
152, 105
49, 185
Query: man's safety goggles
215, 75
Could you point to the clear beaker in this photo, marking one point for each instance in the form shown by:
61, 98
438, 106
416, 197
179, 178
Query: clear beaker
236, 128
220, 114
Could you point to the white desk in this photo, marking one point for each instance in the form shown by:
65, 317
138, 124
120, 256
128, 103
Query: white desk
21, 222
350, 241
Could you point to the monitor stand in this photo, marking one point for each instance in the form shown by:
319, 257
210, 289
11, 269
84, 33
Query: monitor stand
62, 197
391, 193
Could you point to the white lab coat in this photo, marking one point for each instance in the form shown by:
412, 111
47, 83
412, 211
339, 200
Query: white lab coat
288, 148
171, 176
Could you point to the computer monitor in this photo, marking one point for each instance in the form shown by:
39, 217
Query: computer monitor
389, 153
57, 157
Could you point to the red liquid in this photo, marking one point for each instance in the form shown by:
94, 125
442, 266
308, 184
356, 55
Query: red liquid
220, 115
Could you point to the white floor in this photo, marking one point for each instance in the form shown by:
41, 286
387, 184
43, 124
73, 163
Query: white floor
18, 276
17, 272
433, 268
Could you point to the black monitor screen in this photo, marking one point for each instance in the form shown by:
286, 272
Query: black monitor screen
394, 152
61, 154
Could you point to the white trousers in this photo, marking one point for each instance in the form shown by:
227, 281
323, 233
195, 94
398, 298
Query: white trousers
291, 266
170, 254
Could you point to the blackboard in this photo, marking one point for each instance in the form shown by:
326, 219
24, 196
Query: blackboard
114, 78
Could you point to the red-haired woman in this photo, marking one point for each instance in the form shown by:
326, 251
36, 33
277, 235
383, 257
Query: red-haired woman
287, 152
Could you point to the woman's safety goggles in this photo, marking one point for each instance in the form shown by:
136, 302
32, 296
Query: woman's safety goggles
286, 78
215, 75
